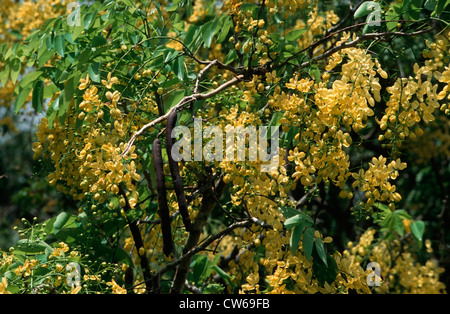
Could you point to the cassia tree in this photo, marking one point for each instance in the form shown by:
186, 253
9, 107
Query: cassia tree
353, 89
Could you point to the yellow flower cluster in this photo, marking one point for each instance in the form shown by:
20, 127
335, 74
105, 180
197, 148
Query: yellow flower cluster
3, 286
199, 11
433, 143
116, 288
319, 112
375, 181
316, 26
60, 250
400, 271
25, 271
415, 99
88, 159
294, 274
31, 15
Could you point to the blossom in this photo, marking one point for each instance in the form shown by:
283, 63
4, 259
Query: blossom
116, 289
110, 81
3, 286
84, 83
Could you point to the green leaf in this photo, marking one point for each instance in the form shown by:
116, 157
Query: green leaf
4, 75
295, 34
122, 256
208, 32
28, 79
191, 35
98, 41
174, 98
315, 73
298, 220
22, 97
231, 56
94, 71
440, 7
66, 97
397, 225
64, 220
77, 30
225, 276
430, 5
198, 267
26, 246
403, 214
52, 112
417, 229
364, 9
225, 29
60, 41
320, 250
178, 68
50, 90
296, 235
393, 14
308, 242
325, 272
16, 66
288, 211
172, 8
60, 221
293, 221
38, 96
384, 208
44, 55
415, 8
88, 19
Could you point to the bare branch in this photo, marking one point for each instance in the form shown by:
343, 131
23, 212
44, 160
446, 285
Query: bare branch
219, 64
362, 38
356, 41
199, 76
181, 103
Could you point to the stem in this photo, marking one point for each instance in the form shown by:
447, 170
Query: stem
181, 103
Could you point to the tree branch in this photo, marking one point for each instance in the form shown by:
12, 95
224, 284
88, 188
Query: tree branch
356, 41
364, 37
181, 103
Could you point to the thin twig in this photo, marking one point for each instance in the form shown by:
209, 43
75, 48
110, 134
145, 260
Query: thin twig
360, 39
330, 35
200, 74
239, 224
181, 103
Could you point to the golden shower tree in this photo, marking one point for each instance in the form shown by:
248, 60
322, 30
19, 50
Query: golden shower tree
353, 91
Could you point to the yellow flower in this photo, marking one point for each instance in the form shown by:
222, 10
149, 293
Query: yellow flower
116, 289
3, 286
59, 268
110, 81
84, 83
75, 290
114, 97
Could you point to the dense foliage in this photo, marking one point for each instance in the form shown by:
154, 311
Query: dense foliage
356, 202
